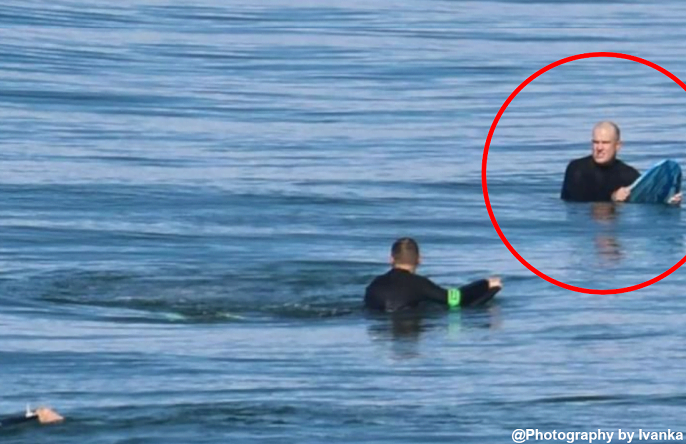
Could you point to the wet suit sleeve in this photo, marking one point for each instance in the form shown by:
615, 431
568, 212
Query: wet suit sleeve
454, 297
7, 421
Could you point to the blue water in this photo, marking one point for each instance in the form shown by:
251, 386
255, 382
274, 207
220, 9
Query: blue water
193, 198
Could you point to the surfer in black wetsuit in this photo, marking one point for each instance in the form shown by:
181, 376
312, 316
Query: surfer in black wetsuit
42, 415
601, 177
401, 288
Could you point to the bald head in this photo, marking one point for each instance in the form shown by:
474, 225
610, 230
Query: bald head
608, 126
606, 142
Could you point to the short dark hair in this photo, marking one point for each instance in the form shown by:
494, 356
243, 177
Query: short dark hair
405, 251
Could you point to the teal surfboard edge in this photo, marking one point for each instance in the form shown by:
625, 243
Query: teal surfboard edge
658, 184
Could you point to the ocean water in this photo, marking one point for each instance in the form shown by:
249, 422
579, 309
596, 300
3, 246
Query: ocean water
193, 198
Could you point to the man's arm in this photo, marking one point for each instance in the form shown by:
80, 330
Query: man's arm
42, 415
629, 176
456, 297
8, 421
621, 194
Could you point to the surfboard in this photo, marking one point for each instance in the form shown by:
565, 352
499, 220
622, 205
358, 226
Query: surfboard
658, 184
485, 298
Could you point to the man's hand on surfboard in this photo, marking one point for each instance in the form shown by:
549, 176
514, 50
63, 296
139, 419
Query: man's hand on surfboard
675, 200
621, 195
48, 416
494, 282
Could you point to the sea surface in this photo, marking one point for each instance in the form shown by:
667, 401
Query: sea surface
194, 195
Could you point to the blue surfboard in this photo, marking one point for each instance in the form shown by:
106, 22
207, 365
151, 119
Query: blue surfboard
658, 184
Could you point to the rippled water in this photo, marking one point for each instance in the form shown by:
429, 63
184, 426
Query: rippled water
193, 198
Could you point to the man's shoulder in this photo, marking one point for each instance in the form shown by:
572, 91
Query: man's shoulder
626, 166
395, 276
378, 279
581, 161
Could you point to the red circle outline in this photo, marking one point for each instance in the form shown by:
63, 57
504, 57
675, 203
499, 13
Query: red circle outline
485, 159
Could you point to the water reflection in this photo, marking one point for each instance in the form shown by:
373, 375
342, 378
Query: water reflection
403, 330
609, 249
626, 232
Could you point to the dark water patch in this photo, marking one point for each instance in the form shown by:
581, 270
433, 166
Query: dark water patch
281, 291
127, 160
115, 102
616, 399
64, 197
67, 15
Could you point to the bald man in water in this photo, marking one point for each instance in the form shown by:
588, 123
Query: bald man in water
601, 177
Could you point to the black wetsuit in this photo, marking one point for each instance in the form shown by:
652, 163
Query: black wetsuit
7, 421
400, 289
586, 181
